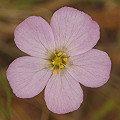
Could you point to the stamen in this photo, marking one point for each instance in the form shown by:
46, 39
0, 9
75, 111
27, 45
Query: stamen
59, 71
65, 59
53, 62
64, 54
52, 68
54, 71
62, 66
59, 54
57, 59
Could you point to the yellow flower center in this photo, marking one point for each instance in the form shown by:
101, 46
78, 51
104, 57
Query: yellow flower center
58, 61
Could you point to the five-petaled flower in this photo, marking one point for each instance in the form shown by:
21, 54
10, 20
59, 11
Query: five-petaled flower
61, 58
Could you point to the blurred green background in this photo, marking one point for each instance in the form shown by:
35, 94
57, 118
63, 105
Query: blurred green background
99, 103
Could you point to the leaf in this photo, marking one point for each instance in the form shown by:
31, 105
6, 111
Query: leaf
5, 86
2, 109
106, 108
25, 3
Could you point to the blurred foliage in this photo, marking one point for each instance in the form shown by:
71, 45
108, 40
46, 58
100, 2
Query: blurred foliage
100, 103
25, 3
91, 0
99, 0
20, 4
108, 106
5, 97
118, 41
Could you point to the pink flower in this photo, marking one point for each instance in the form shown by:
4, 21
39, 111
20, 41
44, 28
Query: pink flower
61, 57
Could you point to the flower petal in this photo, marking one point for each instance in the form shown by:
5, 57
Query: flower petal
92, 68
63, 94
34, 36
27, 76
74, 30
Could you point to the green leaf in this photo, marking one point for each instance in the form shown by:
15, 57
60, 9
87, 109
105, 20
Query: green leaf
2, 109
6, 88
106, 108
21, 4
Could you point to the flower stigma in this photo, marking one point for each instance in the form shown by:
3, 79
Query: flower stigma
57, 61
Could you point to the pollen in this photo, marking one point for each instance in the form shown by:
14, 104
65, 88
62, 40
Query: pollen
58, 60
65, 59
59, 54
54, 71
61, 66
53, 62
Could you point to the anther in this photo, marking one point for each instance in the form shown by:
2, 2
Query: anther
65, 59
54, 72
58, 61
53, 62
59, 54
61, 66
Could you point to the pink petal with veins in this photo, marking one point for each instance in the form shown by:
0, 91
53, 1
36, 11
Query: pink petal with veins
74, 30
34, 36
27, 76
63, 94
91, 69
